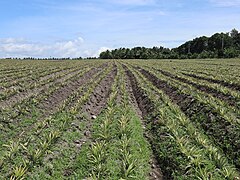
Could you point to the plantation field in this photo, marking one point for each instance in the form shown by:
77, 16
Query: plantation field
120, 119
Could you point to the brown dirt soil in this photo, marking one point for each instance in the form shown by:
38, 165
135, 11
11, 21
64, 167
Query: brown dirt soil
84, 89
11, 73
221, 82
133, 100
18, 78
11, 101
99, 97
96, 103
46, 77
213, 124
94, 106
17, 82
224, 97
142, 106
1, 89
51, 104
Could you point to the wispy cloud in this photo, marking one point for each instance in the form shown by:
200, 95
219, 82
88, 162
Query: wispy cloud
226, 3
19, 47
12, 40
43, 28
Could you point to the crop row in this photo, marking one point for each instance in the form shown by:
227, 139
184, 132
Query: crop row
182, 149
36, 80
119, 120
118, 149
224, 131
34, 144
61, 154
220, 72
28, 112
229, 96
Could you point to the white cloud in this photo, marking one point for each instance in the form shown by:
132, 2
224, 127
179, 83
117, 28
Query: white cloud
226, 3
96, 54
12, 40
19, 47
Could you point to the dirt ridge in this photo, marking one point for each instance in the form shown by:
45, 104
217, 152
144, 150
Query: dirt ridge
213, 124
227, 98
11, 101
58, 96
143, 107
217, 81
99, 97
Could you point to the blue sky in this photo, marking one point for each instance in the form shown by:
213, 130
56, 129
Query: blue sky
72, 28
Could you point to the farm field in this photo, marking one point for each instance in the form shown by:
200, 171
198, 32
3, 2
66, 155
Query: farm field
120, 119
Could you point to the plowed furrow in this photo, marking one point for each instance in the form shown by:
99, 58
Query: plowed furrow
11, 101
215, 93
54, 100
224, 134
144, 107
221, 82
99, 97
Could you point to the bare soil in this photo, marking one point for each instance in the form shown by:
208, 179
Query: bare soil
11, 101
143, 107
232, 101
213, 124
99, 97
221, 82
51, 104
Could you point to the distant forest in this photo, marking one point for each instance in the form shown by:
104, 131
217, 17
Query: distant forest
219, 45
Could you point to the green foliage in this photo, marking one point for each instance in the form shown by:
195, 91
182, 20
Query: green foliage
187, 143
19, 173
219, 45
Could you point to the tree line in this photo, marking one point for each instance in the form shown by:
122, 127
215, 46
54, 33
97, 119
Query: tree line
219, 45
49, 58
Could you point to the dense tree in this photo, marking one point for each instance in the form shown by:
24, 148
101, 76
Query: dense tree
219, 45
139, 53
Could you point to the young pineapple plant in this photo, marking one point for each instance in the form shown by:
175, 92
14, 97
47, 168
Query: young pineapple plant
19, 173
12, 149
97, 157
